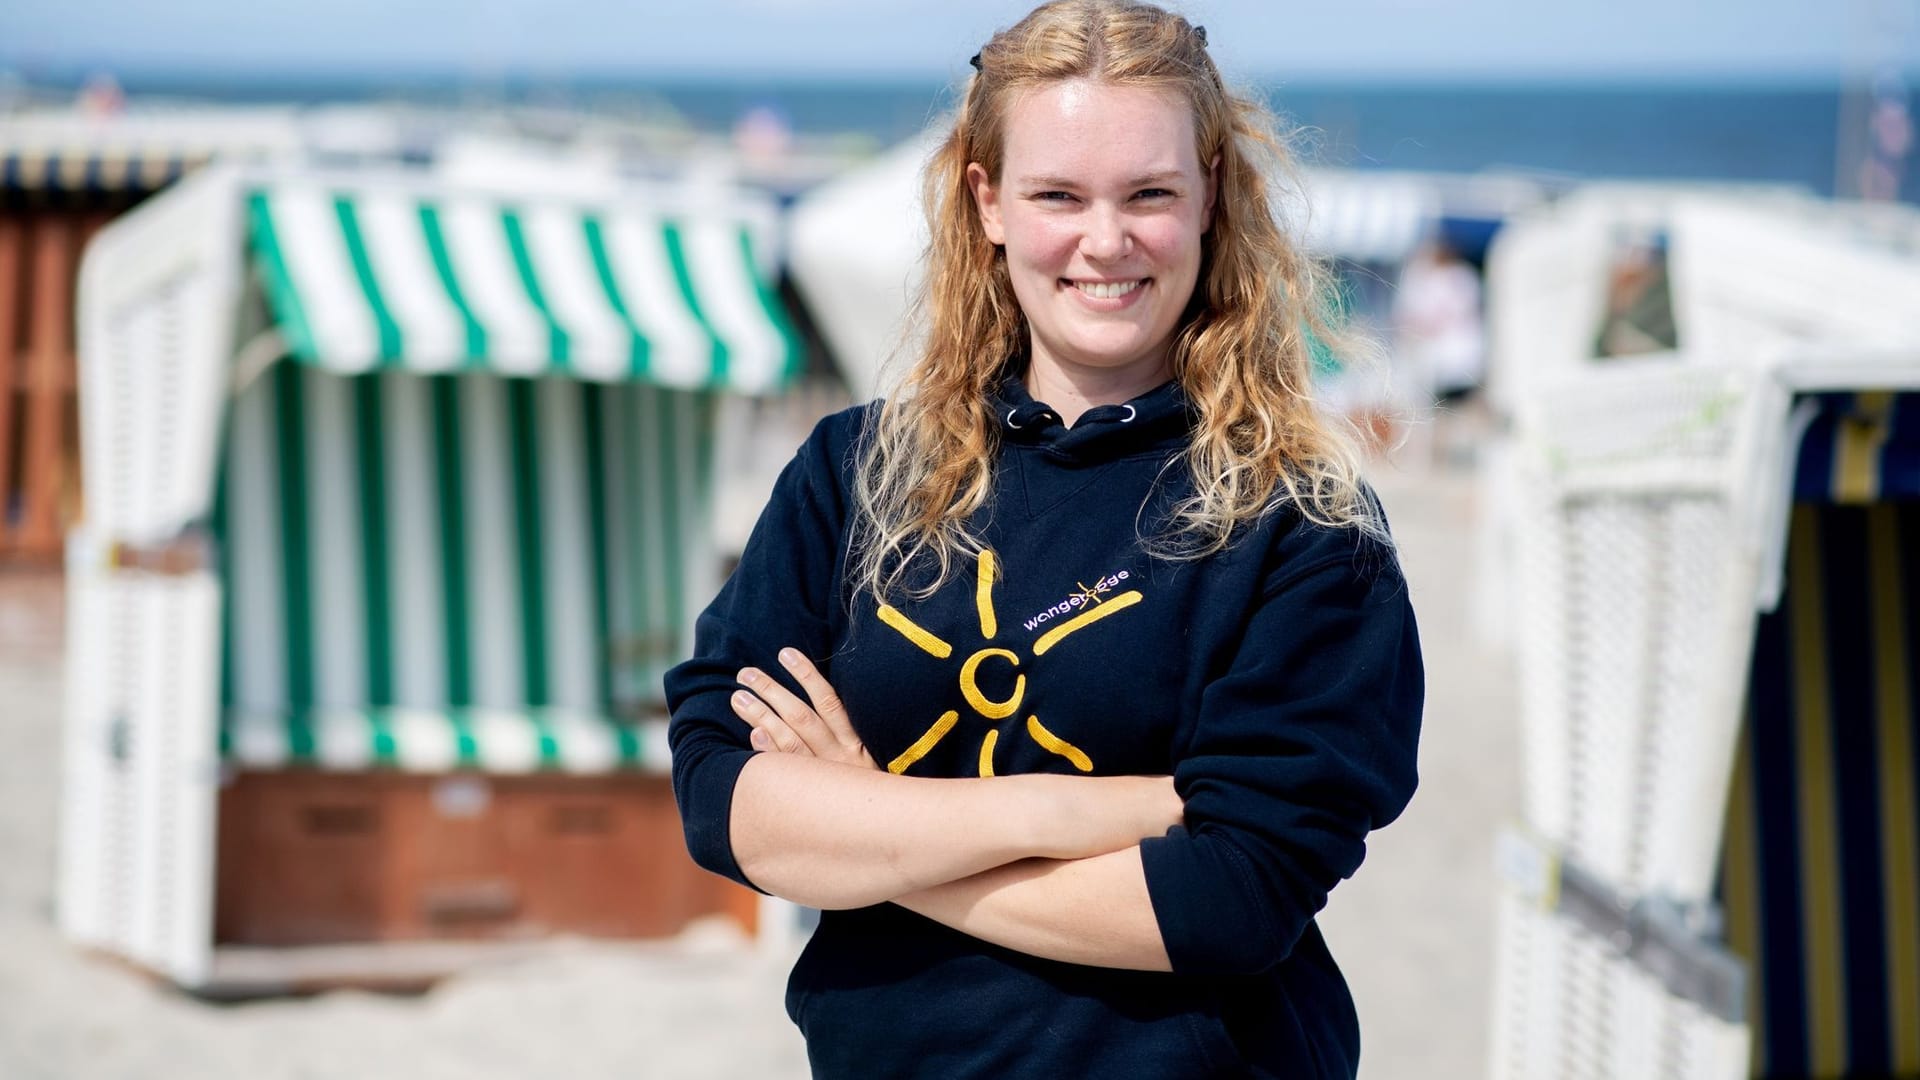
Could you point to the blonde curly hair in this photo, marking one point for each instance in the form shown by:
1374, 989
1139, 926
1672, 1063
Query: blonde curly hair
1244, 354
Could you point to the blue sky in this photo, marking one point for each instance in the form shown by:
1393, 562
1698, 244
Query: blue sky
1685, 39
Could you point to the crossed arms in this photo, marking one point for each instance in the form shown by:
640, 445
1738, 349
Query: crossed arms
1046, 865
1301, 745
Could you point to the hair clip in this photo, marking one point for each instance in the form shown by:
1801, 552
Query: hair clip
1201, 33
975, 61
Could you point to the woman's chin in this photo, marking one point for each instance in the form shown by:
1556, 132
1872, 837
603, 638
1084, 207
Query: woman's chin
1110, 354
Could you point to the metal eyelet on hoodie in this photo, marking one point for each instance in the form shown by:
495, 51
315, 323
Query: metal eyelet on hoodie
1040, 414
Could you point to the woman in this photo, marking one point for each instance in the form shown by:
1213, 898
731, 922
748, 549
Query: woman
1099, 537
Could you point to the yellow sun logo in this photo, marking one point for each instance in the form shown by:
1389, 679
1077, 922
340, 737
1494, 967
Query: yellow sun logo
986, 708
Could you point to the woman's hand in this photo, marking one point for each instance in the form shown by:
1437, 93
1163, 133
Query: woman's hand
1098, 814
783, 722
1085, 815
812, 836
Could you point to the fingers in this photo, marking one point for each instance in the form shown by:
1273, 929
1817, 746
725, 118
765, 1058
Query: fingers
826, 702
770, 732
797, 716
847, 745
781, 721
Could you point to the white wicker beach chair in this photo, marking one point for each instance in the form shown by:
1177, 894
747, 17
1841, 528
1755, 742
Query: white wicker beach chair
1667, 505
387, 479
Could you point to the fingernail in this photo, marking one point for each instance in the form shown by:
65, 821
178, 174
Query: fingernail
743, 699
749, 676
790, 657
758, 739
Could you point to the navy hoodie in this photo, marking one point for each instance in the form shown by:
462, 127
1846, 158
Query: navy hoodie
1279, 682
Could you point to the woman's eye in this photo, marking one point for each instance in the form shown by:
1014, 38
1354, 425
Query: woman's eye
1154, 193
1053, 196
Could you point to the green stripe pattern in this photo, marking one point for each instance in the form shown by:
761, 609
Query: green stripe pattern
505, 554
366, 280
505, 741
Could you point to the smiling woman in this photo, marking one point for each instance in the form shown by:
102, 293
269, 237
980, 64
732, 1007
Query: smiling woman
1100, 209
1089, 841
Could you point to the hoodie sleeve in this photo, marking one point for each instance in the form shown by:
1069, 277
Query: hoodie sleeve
780, 594
1304, 745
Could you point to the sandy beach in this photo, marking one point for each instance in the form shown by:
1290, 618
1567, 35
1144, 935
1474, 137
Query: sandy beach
1412, 930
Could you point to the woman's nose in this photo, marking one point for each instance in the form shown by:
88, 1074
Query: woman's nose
1106, 237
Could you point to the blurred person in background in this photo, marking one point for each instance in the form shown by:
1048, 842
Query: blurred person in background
1441, 342
1069, 679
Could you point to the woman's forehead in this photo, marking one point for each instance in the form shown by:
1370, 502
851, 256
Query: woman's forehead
1088, 130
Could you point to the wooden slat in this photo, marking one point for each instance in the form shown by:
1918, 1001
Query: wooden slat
12, 231
49, 365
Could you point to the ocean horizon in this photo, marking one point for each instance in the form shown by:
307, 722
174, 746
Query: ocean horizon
1784, 131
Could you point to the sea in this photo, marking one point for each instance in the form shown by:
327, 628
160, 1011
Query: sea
1778, 132
1756, 133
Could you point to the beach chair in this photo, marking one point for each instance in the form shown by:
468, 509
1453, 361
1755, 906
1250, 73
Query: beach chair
1821, 875
1714, 872
398, 510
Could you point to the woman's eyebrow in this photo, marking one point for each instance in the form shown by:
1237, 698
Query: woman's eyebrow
1139, 181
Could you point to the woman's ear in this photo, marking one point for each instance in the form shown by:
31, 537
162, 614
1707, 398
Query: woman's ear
986, 199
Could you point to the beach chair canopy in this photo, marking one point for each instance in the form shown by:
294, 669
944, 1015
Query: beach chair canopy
91, 170
72, 158
394, 276
187, 300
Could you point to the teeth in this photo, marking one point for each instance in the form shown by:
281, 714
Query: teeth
1107, 290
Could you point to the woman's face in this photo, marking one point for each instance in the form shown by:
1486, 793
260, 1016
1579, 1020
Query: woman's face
1101, 204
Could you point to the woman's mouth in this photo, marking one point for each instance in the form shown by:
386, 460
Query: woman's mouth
1106, 290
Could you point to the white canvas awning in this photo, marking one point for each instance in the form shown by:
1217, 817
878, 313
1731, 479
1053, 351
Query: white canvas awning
1368, 217
855, 249
377, 278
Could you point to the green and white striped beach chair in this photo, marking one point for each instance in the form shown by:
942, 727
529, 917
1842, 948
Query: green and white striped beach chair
440, 462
